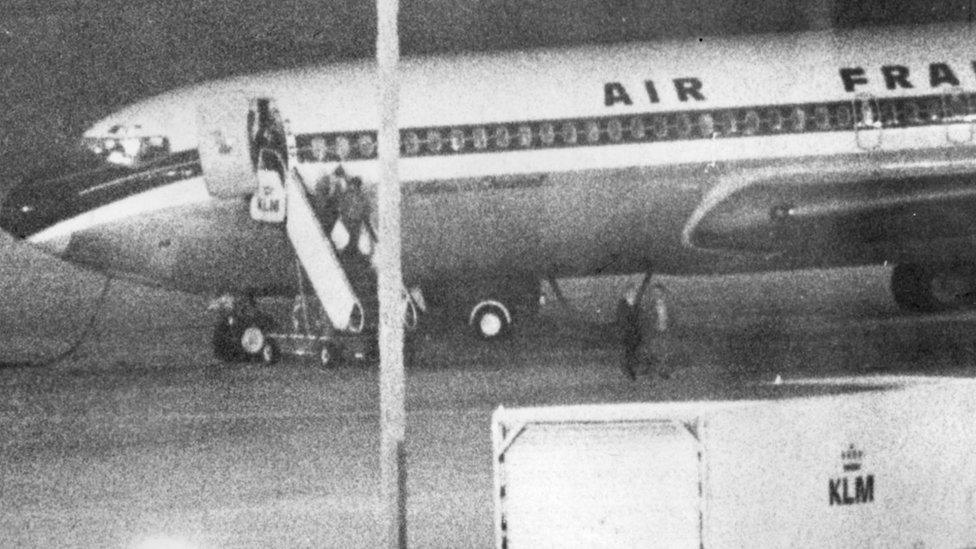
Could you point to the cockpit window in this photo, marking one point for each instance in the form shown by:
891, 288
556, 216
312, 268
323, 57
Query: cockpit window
77, 163
124, 150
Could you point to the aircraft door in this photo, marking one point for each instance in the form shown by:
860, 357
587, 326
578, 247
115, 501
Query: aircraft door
957, 116
232, 130
867, 122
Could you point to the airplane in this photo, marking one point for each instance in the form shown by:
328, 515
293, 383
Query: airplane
696, 156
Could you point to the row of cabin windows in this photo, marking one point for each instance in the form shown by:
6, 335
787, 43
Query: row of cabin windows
867, 114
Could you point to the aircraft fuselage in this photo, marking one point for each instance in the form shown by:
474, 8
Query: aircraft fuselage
696, 157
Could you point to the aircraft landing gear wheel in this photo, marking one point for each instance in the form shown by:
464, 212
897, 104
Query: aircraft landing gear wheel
329, 355
490, 320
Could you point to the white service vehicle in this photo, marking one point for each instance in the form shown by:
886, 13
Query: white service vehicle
877, 462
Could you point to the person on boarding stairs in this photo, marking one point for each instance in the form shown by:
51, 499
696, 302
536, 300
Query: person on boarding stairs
327, 207
274, 133
324, 200
354, 212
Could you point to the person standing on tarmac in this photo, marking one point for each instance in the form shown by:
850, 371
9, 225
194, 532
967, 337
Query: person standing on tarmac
630, 325
660, 344
654, 358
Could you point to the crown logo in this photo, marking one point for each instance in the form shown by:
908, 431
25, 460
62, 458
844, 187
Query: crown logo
851, 458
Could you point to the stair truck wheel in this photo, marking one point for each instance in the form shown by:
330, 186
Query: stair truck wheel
252, 340
254, 336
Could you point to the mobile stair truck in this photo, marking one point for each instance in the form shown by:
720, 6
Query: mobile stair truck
339, 317
869, 462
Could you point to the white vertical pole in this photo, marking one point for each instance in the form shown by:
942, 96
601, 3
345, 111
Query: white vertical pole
392, 407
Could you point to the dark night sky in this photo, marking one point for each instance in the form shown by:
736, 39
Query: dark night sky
66, 62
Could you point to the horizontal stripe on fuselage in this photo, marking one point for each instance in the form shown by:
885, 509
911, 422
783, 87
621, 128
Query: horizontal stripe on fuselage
171, 195
37, 204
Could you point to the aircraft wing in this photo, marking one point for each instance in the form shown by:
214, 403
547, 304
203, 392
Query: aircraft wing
860, 213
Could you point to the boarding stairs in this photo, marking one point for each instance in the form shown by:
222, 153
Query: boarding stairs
345, 284
317, 254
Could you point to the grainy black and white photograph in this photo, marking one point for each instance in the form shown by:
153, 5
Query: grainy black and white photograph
503, 273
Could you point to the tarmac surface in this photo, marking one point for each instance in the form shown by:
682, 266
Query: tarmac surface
142, 438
